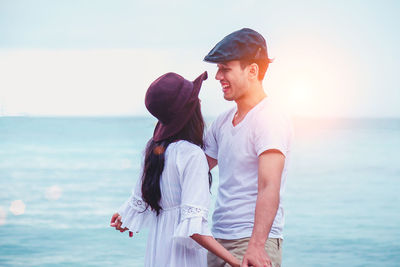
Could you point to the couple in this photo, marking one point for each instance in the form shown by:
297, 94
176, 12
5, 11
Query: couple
251, 146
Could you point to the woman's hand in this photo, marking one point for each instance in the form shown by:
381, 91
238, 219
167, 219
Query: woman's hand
209, 243
116, 222
236, 263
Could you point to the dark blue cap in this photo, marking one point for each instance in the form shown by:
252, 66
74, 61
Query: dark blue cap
242, 44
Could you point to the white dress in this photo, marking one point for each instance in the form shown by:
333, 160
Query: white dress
185, 198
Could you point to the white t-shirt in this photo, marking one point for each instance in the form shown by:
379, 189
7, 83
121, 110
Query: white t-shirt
237, 149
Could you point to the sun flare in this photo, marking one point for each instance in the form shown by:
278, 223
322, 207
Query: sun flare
301, 98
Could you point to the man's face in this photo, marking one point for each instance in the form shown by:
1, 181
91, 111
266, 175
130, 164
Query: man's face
233, 79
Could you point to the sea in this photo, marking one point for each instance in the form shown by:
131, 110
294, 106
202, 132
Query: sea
62, 178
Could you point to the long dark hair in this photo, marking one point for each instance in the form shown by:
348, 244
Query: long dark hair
154, 158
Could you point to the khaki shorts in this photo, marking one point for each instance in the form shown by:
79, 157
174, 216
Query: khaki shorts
238, 248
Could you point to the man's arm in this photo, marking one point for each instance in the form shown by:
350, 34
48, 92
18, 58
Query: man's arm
211, 162
270, 167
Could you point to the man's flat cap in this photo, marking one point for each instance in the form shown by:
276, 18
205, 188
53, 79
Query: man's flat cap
242, 44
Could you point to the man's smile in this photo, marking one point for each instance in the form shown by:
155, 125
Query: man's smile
225, 86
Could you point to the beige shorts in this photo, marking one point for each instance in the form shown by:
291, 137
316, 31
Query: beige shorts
238, 248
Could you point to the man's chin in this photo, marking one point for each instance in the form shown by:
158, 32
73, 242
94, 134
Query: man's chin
228, 98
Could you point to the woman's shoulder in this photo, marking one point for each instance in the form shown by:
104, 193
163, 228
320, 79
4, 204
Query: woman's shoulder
190, 157
188, 147
186, 150
183, 150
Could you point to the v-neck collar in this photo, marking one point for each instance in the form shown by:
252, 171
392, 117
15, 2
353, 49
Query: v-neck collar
239, 125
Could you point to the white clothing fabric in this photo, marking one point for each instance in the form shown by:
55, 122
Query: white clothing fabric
185, 198
237, 149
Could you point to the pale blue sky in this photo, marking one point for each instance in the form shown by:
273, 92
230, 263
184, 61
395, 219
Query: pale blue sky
332, 58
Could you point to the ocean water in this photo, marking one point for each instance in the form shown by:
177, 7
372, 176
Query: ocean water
61, 179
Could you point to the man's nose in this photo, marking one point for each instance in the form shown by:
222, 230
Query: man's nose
218, 76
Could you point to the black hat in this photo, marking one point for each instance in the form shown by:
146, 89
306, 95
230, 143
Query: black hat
242, 44
172, 100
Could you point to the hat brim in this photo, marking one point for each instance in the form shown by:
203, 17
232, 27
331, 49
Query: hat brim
198, 82
165, 131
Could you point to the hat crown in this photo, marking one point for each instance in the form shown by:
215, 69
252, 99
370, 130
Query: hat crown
172, 100
242, 44
167, 96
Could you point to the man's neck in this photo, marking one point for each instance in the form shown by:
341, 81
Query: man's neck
249, 101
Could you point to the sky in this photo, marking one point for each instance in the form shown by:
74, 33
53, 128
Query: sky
97, 58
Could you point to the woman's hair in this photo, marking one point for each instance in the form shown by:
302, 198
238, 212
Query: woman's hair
154, 158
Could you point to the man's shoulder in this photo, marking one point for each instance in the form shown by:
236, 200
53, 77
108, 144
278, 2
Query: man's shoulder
223, 117
272, 116
272, 111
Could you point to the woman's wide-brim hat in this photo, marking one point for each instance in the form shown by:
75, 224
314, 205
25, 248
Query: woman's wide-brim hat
172, 100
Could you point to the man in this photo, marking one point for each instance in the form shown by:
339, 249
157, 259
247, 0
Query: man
251, 145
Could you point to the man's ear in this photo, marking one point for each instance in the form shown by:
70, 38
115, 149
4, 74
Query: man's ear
253, 71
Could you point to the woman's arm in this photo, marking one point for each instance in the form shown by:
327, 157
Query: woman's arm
116, 222
211, 162
209, 243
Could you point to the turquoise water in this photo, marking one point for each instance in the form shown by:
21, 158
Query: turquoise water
342, 198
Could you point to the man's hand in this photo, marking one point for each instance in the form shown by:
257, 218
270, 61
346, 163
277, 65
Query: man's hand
116, 222
256, 256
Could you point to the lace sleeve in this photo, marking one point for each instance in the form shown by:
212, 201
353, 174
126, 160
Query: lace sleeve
190, 212
193, 221
134, 214
137, 204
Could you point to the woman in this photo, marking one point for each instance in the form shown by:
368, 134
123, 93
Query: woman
172, 198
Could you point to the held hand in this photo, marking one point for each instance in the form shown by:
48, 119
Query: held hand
116, 222
257, 257
236, 263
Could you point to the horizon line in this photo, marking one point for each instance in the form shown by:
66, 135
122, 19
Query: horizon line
206, 116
